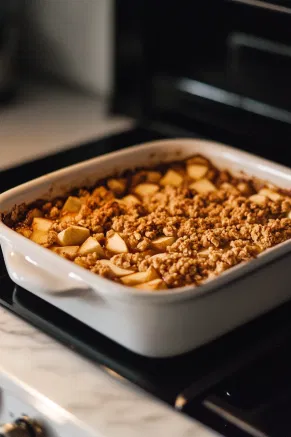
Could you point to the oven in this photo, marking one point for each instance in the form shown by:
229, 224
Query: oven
216, 69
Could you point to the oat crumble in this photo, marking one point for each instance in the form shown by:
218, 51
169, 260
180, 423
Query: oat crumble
171, 226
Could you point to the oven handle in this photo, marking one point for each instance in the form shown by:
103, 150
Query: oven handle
27, 274
267, 5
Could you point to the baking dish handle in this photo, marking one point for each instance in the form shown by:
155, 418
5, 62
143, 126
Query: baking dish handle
26, 273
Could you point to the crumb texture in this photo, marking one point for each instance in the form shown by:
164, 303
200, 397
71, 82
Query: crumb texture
174, 225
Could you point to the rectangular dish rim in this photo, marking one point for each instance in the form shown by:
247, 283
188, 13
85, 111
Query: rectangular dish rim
118, 290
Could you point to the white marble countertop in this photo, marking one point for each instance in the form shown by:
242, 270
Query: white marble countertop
43, 121
82, 389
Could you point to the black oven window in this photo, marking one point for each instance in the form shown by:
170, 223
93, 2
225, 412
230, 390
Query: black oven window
228, 53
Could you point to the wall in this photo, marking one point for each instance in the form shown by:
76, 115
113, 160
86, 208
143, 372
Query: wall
72, 39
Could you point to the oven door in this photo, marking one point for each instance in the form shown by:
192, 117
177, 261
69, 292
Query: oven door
227, 65
219, 67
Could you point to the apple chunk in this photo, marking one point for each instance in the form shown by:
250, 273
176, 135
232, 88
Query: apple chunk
140, 277
196, 171
153, 176
130, 199
272, 195
68, 217
159, 256
91, 245
117, 271
116, 244
146, 189
41, 224
204, 253
39, 237
73, 236
203, 186
155, 284
40, 229
66, 251
118, 186
72, 204
162, 242
258, 199
172, 178
197, 160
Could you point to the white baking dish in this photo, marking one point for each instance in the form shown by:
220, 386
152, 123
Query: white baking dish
153, 324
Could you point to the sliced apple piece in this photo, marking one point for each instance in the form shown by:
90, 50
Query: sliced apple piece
35, 212
130, 199
73, 236
162, 242
198, 160
258, 199
140, 277
227, 186
156, 284
159, 256
72, 204
91, 245
197, 171
204, 253
146, 189
172, 178
230, 188
65, 251
203, 186
289, 214
40, 228
41, 224
118, 186
272, 195
117, 271
153, 176
116, 244
68, 217
244, 188
39, 237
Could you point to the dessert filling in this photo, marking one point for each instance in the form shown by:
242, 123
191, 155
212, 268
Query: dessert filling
174, 225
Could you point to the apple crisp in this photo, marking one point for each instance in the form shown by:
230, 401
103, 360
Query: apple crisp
174, 225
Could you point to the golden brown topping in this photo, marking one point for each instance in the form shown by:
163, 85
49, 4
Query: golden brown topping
179, 224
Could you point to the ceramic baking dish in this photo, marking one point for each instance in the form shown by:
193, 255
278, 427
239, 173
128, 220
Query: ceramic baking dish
152, 324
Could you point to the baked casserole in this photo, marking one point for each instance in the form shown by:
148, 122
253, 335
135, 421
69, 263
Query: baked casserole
157, 228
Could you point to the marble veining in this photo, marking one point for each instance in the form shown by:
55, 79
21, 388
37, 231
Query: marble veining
109, 407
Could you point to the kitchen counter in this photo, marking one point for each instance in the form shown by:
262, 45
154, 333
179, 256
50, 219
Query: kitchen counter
49, 118
62, 385
46, 370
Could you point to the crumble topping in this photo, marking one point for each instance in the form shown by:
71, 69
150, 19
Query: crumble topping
178, 224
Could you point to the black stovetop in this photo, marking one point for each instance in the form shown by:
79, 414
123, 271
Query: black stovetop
239, 384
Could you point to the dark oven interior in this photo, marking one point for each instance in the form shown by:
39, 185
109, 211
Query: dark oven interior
219, 67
